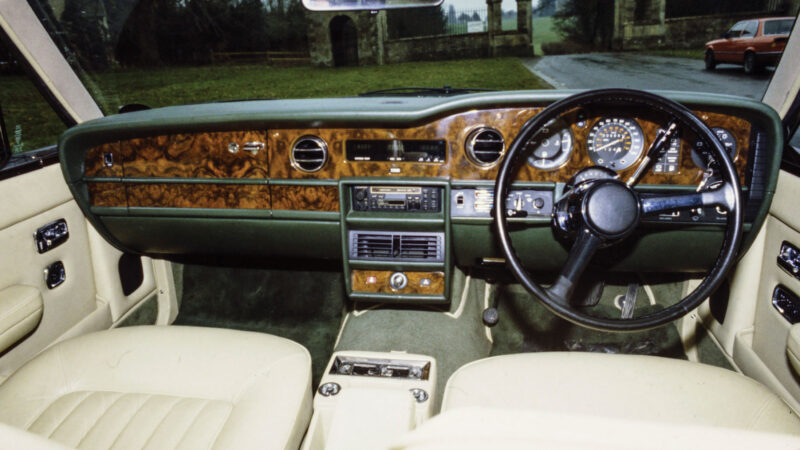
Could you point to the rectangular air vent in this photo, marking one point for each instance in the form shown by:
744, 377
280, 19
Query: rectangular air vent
394, 246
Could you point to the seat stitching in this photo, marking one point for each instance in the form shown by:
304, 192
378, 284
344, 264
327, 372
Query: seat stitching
127, 424
161, 421
756, 416
108, 408
191, 424
74, 408
219, 430
265, 369
58, 357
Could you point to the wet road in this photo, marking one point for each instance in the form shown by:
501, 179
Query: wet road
642, 71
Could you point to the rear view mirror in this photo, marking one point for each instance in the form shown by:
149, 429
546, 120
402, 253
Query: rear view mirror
353, 5
5, 148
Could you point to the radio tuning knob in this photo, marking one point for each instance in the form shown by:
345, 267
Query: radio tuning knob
361, 194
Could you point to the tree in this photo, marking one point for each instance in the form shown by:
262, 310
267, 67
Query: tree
414, 22
476, 16
588, 22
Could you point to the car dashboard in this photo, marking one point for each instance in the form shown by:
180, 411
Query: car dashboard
400, 189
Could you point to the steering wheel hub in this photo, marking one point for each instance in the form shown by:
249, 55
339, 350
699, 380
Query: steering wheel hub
610, 209
598, 210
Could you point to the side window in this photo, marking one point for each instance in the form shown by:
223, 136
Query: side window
31, 123
736, 30
750, 29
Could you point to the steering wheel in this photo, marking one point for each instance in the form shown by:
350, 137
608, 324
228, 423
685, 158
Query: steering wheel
599, 210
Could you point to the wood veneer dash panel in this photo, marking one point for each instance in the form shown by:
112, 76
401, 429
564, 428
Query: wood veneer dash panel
361, 281
107, 194
186, 195
95, 163
305, 198
456, 128
195, 155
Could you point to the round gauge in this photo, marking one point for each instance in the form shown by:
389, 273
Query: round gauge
551, 148
615, 143
702, 155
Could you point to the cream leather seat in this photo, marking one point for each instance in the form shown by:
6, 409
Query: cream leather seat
628, 387
164, 387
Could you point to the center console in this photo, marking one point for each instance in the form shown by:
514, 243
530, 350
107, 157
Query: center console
367, 400
396, 245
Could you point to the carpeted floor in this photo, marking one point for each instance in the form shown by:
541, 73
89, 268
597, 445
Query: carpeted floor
527, 326
298, 302
454, 339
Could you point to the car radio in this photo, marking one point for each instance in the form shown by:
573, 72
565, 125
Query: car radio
397, 198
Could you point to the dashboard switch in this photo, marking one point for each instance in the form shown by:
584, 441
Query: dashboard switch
787, 303
398, 281
789, 259
51, 235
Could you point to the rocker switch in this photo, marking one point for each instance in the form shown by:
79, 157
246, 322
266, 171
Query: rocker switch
54, 275
51, 235
789, 259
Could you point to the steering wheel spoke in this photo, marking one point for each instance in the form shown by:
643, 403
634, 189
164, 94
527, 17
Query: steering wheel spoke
584, 248
598, 210
722, 196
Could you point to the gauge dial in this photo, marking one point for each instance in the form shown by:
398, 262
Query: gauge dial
703, 156
551, 147
615, 143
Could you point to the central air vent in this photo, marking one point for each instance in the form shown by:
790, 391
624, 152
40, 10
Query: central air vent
309, 154
485, 147
406, 246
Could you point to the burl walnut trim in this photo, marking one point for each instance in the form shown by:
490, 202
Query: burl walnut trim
107, 194
185, 195
196, 155
305, 198
456, 128
360, 282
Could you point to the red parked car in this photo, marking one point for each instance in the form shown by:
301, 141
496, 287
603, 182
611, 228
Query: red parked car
753, 43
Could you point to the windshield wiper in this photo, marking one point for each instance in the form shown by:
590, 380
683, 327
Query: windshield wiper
421, 92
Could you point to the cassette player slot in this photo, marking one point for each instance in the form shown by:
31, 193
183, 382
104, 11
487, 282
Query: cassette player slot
426, 199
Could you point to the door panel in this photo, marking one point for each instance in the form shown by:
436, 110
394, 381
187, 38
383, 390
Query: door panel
90, 298
754, 332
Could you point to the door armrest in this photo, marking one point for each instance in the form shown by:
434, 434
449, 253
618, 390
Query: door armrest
20, 313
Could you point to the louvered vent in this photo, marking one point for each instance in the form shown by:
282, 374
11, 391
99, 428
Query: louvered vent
396, 246
309, 154
485, 147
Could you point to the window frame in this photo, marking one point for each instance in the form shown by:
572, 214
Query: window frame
34, 159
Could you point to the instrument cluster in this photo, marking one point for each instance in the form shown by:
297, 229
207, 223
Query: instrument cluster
616, 143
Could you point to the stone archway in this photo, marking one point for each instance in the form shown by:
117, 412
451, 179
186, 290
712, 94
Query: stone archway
344, 41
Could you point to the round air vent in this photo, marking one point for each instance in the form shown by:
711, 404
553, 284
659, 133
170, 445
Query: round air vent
485, 147
309, 154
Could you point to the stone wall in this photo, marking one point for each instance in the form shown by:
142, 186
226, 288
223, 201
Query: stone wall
430, 48
371, 29
374, 47
642, 25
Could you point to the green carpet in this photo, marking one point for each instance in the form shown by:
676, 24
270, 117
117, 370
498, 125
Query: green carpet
296, 301
527, 326
452, 341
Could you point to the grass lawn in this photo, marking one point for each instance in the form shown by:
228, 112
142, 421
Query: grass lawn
544, 31
25, 111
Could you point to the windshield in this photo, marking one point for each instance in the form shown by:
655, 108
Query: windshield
170, 52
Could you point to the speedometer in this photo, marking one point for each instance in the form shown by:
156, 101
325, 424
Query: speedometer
615, 143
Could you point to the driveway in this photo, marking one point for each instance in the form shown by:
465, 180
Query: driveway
642, 71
